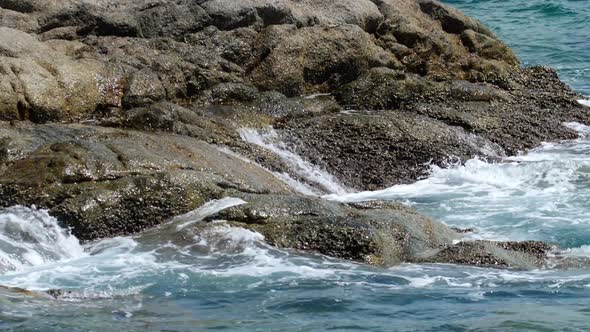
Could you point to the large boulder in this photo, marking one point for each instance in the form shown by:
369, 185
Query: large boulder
378, 233
227, 14
47, 81
105, 182
388, 235
374, 151
15, 20
317, 59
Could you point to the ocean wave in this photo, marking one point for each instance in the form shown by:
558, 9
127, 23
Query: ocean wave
533, 196
548, 8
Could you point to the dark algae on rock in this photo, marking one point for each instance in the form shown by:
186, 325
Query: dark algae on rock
118, 115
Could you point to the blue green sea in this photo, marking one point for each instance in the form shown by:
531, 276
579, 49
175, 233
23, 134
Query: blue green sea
541, 32
227, 279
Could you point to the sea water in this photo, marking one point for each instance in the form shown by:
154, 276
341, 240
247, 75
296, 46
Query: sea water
227, 278
541, 32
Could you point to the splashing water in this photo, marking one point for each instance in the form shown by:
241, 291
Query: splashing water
31, 237
180, 279
188, 282
269, 139
208, 209
300, 187
540, 195
227, 278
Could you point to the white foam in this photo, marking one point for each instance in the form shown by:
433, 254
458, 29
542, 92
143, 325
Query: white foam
123, 267
269, 139
517, 199
113, 267
582, 251
543, 189
551, 167
208, 209
225, 238
585, 102
251, 256
301, 188
30, 237
317, 95
120, 266
475, 175
582, 129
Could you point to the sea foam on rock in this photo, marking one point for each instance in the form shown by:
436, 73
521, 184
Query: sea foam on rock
159, 83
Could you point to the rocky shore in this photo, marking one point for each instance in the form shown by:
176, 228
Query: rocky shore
117, 115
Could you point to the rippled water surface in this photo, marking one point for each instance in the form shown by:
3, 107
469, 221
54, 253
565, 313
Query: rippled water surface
541, 32
227, 279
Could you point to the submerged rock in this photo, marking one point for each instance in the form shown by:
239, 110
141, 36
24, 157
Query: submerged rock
380, 233
16, 293
523, 255
387, 236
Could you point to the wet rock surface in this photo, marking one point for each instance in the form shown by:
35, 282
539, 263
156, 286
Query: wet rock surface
389, 235
380, 233
104, 182
118, 115
522, 255
19, 294
385, 145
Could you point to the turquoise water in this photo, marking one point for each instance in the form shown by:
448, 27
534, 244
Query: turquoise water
541, 32
228, 279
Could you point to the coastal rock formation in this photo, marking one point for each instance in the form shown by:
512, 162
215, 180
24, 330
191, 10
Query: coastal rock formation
105, 182
381, 233
118, 115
